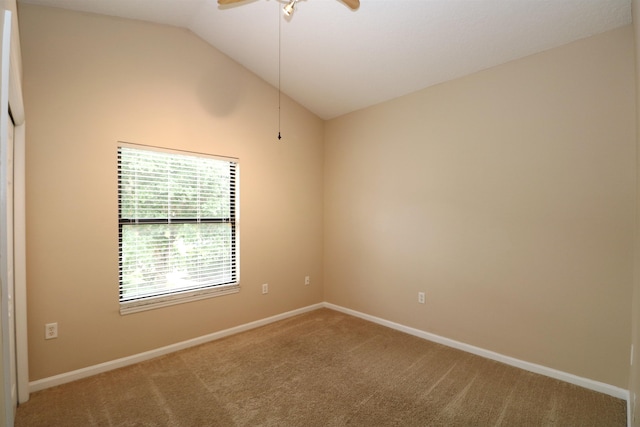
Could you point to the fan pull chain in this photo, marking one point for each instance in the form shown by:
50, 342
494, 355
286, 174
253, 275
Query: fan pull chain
279, 61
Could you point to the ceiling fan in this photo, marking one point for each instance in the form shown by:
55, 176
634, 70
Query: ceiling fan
288, 9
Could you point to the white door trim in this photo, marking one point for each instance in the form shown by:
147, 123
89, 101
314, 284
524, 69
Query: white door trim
16, 104
9, 398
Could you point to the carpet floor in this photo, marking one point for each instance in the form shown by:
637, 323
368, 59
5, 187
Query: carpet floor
321, 368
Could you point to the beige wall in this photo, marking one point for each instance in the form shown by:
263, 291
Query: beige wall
634, 378
508, 197
90, 81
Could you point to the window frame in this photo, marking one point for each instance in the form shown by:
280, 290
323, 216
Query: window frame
168, 298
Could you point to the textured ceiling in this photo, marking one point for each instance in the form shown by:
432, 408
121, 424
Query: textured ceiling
334, 60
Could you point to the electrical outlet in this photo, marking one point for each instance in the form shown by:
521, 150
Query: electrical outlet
421, 297
265, 288
50, 331
307, 280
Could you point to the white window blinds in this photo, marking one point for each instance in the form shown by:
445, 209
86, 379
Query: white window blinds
177, 223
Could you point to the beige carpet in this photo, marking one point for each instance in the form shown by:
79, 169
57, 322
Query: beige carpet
322, 368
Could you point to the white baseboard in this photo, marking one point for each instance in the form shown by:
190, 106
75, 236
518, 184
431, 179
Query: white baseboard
137, 358
130, 360
618, 392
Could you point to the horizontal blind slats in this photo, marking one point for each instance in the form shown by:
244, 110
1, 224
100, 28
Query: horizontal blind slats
170, 256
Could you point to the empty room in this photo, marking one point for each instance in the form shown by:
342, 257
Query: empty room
319, 212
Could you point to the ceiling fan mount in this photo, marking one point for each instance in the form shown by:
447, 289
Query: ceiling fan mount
352, 4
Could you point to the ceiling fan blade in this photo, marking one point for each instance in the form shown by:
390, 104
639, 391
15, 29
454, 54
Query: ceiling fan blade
228, 1
353, 4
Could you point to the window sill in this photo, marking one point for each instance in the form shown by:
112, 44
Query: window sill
180, 298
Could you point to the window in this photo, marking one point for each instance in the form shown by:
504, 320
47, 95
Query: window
177, 227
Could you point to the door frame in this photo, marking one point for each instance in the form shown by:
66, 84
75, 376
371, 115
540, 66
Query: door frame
12, 100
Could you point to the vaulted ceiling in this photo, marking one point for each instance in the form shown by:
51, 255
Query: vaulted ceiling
334, 60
